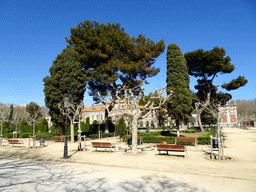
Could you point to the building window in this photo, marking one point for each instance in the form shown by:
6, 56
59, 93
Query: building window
92, 117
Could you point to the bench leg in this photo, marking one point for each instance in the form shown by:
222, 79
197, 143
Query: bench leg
167, 153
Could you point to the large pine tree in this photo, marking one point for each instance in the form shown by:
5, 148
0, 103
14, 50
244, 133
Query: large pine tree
180, 106
112, 59
206, 66
67, 78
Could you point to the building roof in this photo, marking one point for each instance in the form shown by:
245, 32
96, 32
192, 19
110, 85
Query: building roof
103, 107
95, 108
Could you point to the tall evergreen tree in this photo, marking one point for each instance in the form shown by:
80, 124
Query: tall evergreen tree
177, 80
11, 114
67, 78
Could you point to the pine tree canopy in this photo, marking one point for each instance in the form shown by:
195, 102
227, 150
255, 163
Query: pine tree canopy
206, 65
180, 105
110, 56
235, 83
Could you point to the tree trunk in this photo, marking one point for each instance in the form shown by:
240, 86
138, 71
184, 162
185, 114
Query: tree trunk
178, 128
72, 132
199, 122
134, 135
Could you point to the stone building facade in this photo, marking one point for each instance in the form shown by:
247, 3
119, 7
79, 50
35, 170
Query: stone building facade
228, 115
98, 113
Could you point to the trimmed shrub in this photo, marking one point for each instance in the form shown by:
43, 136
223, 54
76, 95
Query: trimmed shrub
156, 133
185, 143
204, 140
24, 135
46, 135
153, 139
8, 135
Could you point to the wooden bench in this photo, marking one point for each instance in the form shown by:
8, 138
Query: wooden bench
59, 137
176, 148
103, 145
16, 142
186, 139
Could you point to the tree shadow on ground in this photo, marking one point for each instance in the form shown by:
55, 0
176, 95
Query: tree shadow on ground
28, 175
157, 183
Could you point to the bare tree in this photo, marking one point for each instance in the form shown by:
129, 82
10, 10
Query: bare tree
78, 116
21, 111
246, 110
131, 106
34, 113
199, 108
74, 112
16, 120
4, 114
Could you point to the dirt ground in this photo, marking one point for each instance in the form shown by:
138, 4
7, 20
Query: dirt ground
237, 173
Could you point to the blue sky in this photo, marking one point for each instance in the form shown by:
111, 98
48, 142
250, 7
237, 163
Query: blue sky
32, 34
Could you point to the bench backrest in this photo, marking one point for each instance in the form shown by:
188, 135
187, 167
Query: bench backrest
186, 139
170, 147
177, 147
101, 144
13, 141
163, 147
59, 137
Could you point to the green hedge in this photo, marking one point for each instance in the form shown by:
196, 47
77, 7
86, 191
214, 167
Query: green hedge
46, 135
24, 135
185, 143
170, 140
155, 133
153, 139
204, 140
8, 135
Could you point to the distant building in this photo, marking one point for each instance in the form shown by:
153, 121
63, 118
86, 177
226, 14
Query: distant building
98, 113
228, 114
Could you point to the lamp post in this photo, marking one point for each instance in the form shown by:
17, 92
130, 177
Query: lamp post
66, 105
